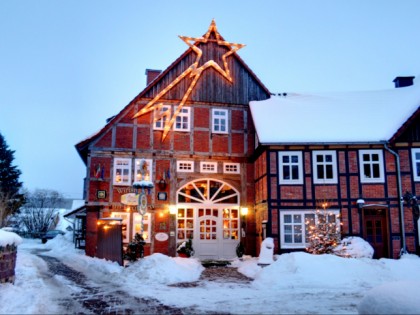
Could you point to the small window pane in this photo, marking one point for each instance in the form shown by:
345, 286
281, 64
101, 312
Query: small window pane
285, 159
295, 159
320, 158
287, 218
295, 172
375, 168
286, 172
329, 170
297, 218
320, 171
366, 170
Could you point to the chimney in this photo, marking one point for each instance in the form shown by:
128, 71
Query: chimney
151, 75
403, 81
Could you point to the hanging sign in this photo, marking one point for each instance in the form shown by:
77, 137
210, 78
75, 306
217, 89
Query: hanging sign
142, 208
130, 199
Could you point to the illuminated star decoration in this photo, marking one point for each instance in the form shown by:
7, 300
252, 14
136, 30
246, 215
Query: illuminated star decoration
195, 72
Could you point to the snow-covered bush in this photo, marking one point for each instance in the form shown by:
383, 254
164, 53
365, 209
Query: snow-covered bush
354, 247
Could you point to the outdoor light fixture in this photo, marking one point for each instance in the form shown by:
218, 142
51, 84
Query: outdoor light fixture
172, 209
244, 211
360, 203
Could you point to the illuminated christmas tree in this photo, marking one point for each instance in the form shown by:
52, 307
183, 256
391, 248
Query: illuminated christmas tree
323, 230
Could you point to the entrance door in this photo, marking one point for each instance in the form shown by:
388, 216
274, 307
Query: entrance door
376, 232
208, 212
208, 233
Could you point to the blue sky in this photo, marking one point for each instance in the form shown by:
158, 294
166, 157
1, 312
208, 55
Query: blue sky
66, 66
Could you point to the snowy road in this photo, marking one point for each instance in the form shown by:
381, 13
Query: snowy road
80, 295
56, 278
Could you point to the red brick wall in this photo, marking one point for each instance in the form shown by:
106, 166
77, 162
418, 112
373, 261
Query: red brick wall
124, 137
346, 193
220, 143
105, 140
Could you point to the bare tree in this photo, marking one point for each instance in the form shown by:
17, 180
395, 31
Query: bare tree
40, 210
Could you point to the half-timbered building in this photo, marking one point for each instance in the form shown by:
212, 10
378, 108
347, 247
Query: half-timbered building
183, 160
358, 153
190, 134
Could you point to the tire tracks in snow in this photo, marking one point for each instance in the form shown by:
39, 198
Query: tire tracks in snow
87, 297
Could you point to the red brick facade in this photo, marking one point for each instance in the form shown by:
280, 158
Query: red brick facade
227, 154
233, 164
343, 195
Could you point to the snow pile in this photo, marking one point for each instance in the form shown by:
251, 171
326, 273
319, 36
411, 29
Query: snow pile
9, 238
325, 271
392, 298
159, 268
248, 266
266, 253
354, 247
31, 293
62, 246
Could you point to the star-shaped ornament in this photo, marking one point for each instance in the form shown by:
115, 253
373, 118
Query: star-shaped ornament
194, 71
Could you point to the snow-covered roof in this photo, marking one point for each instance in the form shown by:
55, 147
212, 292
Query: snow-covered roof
338, 117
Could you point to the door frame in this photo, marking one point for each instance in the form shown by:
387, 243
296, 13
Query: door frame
378, 210
208, 203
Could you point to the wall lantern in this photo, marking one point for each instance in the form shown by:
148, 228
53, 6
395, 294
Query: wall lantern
360, 203
172, 209
244, 211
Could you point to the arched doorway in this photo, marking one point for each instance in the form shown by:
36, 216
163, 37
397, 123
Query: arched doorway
208, 212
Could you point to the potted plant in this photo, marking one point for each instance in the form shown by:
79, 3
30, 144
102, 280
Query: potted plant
185, 249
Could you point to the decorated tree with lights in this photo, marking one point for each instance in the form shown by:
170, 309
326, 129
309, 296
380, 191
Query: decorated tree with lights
323, 230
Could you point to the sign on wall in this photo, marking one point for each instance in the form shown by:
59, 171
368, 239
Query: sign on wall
130, 199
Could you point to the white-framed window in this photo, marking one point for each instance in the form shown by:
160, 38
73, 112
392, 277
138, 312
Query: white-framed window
415, 159
185, 166
290, 168
371, 166
324, 167
231, 168
208, 167
125, 217
182, 120
122, 172
219, 121
146, 226
143, 169
295, 225
161, 117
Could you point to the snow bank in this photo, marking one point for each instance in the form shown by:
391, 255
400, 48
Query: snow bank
31, 293
392, 298
9, 238
354, 247
159, 268
62, 246
319, 271
248, 266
